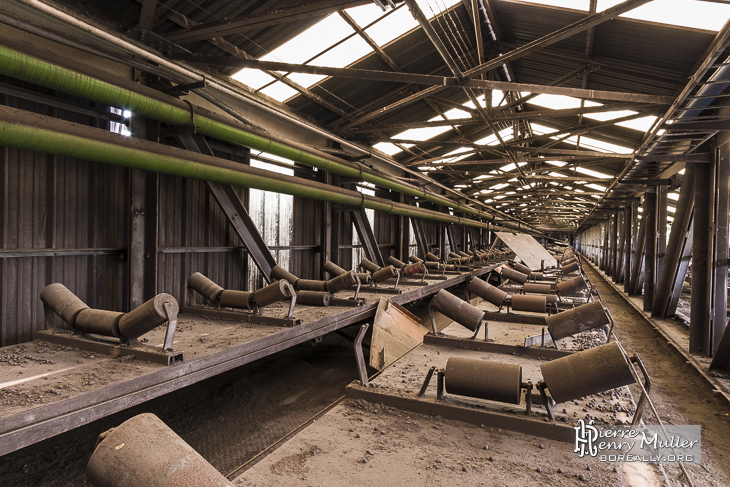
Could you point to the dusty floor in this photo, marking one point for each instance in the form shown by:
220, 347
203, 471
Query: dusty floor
228, 419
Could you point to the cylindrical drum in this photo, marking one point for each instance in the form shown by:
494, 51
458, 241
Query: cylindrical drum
484, 379
431, 257
273, 293
449, 267
333, 269
369, 265
588, 372
538, 276
395, 262
464, 254
236, 299
454, 255
584, 317
568, 261
385, 273
63, 302
210, 290
310, 285
531, 287
144, 451
314, 298
551, 299
486, 291
514, 275
570, 268
364, 277
457, 309
340, 283
99, 321
146, 317
571, 286
531, 303
413, 258
523, 269
277, 273
432, 265
411, 269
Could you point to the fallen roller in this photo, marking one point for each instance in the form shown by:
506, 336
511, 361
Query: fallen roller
127, 327
466, 314
590, 372
482, 379
253, 301
145, 451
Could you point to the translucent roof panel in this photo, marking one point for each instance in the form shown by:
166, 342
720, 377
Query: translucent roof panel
685, 13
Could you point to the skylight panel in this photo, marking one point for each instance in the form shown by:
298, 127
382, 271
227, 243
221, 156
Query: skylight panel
316, 39
683, 13
673, 196
365, 14
387, 148
590, 172
456, 113
590, 143
642, 124
557, 102
253, 78
597, 187
606, 116
499, 186
279, 91
424, 133
556, 163
344, 54
392, 26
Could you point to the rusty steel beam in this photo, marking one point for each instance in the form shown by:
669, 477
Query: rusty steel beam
258, 20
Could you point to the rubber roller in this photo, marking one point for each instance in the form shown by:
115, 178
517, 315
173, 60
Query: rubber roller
531, 287
63, 302
147, 316
396, 263
572, 286
464, 254
538, 276
369, 266
531, 303
584, 317
488, 292
314, 298
432, 265
551, 299
99, 321
432, 257
457, 309
333, 269
588, 372
340, 283
411, 269
277, 274
570, 268
273, 293
384, 274
207, 288
454, 255
522, 268
237, 299
449, 267
484, 379
568, 261
310, 285
514, 275
365, 277
145, 451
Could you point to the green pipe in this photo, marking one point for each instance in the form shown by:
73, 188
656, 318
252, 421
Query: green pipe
43, 135
21, 66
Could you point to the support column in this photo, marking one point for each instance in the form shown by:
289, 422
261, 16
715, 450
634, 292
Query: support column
699, 322
626, 272
604, 248
662, 201
722, 241
404, 236
614, 247
650, 210
680, 241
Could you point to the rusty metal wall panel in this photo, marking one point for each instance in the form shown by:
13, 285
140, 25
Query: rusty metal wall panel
307, 231
387, 230
57, 203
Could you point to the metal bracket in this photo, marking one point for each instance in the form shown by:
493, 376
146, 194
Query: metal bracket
545, 400
184, 89
361, 370
171, 326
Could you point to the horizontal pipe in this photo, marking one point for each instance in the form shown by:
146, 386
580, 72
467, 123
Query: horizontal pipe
168, 110
25, 130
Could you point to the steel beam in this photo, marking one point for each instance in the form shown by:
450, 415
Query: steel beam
700, 319
650, 245
259, 20
452, 241
618, 247
420, 237
238, 217
628, 232
640, 246
722, 241
367, 237
674, 267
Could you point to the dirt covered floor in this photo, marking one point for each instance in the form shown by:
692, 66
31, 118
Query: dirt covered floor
228, 419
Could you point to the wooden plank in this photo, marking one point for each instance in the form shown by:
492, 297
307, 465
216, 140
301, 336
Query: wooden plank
395, 333
527, 249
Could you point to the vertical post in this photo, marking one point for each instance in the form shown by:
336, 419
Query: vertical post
614, 246
404, 236
626, 270
699, 322
722, 240
650, 211
662, 203
331, 228
604, 248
